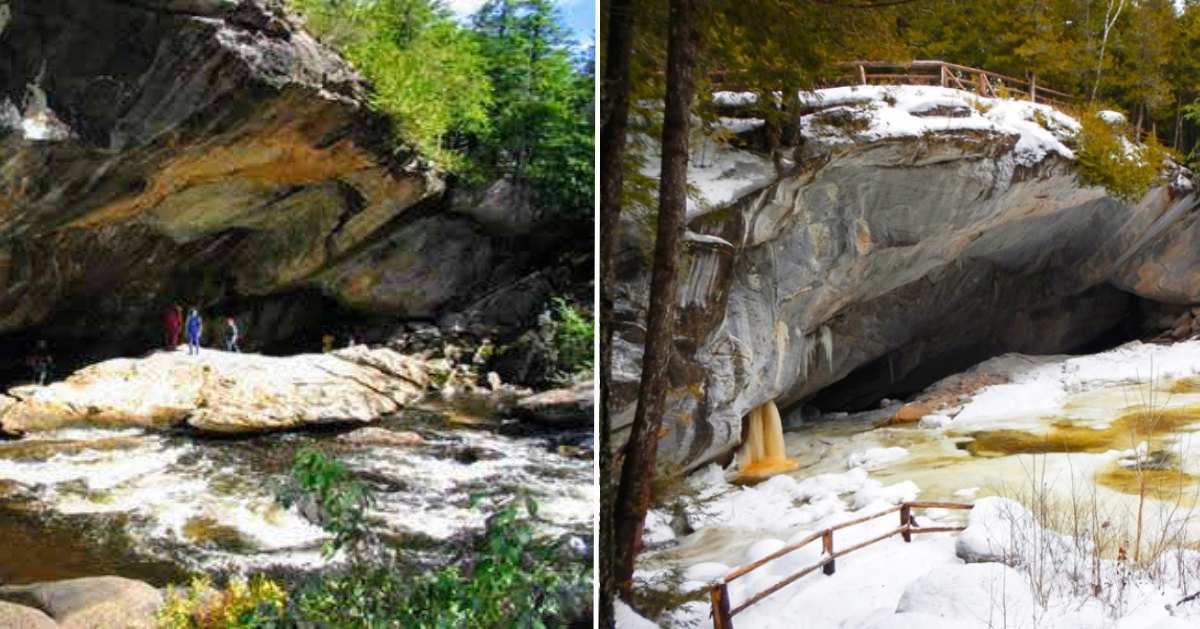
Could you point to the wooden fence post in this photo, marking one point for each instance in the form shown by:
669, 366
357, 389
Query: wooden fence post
1033, 86
862, 74
942, 74
906, 522
720, 606
827, 547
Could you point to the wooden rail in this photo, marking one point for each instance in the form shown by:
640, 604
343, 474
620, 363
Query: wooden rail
929, 72
723, 614
946, 74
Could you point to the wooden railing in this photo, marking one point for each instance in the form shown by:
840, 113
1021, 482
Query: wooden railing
723, 614
946, 74
921, 72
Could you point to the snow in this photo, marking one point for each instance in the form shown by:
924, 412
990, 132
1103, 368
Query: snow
974, 595
876, 457
1039, 388
886, 112
626, 618
657, 529
934, 421
738, 126
1111, 117
734, 99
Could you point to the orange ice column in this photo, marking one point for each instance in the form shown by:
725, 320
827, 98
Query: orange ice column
763, 455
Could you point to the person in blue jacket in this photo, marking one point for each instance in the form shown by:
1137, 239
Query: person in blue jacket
194, 329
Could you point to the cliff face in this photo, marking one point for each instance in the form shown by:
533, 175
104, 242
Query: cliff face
881, 257
211, 151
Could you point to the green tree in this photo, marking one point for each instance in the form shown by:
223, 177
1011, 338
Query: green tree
427, 72
542, 118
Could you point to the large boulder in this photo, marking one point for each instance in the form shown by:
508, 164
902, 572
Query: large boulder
223, 393
571, 406
90, 602
871, 261
21, 617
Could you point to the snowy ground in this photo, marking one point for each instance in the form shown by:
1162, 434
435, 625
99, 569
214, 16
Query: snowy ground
850, 468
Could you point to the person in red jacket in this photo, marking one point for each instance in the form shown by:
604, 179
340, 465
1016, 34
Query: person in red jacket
174, 325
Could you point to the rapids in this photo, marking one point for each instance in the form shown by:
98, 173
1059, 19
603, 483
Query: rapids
155, 506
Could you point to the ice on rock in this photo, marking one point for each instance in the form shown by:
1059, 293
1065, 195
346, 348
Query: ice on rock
658, 528
875, 458
934, 421
707, 572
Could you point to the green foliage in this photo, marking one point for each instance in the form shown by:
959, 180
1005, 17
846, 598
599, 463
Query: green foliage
510, 579
574, 335
427, 72
1104, 157
340, 499
542, 113
502, 98
254, 604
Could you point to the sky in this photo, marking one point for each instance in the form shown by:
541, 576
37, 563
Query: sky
579, 15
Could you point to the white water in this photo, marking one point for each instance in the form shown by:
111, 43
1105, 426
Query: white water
174, 492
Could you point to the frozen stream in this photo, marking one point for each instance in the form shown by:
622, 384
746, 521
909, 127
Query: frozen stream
1062, 429
149, 505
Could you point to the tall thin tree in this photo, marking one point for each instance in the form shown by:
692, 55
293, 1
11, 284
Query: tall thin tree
637, 472
614, 121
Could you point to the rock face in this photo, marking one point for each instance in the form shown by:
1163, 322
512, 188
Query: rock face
88, 603
874, 265
22, 617
223, 393
211, 151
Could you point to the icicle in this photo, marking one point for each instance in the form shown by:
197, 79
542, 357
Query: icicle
827, 345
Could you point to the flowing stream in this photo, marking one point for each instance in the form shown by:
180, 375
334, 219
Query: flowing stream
156, 506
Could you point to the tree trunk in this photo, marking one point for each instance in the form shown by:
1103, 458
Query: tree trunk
614, 118
633, 496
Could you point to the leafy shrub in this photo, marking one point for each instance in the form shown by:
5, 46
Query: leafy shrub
339, 499
256, 603
574, 335
509, 579
1104, 157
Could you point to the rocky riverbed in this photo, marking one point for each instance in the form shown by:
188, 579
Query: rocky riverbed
154, 467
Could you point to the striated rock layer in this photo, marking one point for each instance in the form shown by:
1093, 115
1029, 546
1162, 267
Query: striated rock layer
874, 264
209, 151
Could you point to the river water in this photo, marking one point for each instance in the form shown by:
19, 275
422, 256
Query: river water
155, 506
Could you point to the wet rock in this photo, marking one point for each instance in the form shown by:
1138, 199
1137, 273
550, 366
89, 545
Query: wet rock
224, 393
90, 602
910, 413
372, 436
22, 617
571, 406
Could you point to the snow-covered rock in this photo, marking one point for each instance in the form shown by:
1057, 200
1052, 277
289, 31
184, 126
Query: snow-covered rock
974, 595
222, 392
876, 457
934, 421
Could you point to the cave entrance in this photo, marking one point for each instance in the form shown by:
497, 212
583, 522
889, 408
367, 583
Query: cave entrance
908, 370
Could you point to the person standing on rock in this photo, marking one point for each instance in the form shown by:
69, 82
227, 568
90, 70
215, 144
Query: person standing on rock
194, 328
231, 336
40, 361
174, 325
